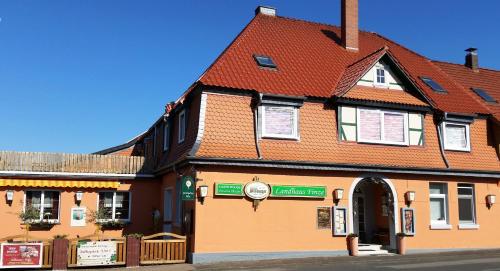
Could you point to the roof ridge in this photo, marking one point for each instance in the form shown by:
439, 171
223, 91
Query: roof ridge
318, 23
461, 65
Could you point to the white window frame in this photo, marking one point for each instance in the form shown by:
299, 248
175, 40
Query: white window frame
440, 224
472, 198
113, 208
166, 136
375, 76
467, 136
182, 126
382, 134
42, 198
294, 135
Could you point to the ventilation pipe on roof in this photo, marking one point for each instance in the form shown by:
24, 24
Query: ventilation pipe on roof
350, 31
269, 11
471, 59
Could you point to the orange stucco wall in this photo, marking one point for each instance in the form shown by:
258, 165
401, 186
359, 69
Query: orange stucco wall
143, 199
230, 224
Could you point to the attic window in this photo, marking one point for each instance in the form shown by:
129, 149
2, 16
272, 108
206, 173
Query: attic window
265, 61
484, 95
432, 84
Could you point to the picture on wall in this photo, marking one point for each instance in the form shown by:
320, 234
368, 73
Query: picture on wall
78, 217
339, 221
408, 221
324, 217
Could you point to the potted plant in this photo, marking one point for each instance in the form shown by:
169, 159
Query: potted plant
101, 220
352, 240
401, 243
30, 217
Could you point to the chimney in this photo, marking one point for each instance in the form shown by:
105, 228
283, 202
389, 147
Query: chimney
350, 29
471, 59
269, 11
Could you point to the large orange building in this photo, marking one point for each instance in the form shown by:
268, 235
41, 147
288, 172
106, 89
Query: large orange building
301, 133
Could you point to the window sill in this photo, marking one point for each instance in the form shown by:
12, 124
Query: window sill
292, 138
468, 226
440, 227
457, 150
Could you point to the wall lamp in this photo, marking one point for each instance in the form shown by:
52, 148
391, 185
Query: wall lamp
338, 194
78, 197
202, 192
410, 197
490, 200
9, 196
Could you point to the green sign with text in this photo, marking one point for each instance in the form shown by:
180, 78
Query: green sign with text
188, 188
229, 189
297, 191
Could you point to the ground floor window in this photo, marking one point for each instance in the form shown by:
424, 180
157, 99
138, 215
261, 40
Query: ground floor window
466, 206
438, 203
44, 203
115, 205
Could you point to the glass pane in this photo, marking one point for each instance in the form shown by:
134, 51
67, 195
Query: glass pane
456, 136
279, 120
394, 127
51, 205
369, 125
465, 191
436, 188
34, 199
106, 205
465, 212
122, 204
381, 76
437, 210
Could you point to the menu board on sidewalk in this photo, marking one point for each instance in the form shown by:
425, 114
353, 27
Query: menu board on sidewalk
21, 255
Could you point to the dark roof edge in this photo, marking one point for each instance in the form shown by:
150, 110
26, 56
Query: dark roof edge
119, 147
340, 167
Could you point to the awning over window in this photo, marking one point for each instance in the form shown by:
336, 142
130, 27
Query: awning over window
59, 183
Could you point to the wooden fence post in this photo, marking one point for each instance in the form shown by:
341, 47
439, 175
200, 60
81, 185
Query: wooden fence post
133, 251
60, 254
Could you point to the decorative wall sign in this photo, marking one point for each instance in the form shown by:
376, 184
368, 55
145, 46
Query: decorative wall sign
21, 255
408, 221
339, 221
188, 186
78, 216
229, 189
298, 191
257, 190
94, 253
324, 217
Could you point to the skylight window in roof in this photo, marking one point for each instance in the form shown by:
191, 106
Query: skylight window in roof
432, 84
484, 95
265, 61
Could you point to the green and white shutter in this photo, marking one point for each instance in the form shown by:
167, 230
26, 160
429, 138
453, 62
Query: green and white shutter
347, 123
416, 127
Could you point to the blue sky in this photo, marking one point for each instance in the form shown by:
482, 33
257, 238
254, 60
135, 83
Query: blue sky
80, 76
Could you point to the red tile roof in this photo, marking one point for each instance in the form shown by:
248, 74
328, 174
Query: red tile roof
311, 62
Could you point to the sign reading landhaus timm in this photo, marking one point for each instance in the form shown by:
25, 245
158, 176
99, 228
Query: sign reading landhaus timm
299, 191
229, 189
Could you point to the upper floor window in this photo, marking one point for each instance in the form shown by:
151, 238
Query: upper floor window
43, 203
166, 136
380, 78
114, 205
182, 126
466, 206
382, 126
438, 193
456, 136
279, 121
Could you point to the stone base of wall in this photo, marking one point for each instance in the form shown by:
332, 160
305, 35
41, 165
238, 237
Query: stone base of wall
197, 258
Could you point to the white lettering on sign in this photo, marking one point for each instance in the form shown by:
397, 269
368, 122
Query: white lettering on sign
257, 190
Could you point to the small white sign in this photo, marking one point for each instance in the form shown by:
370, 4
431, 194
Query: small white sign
78, 216
96, 253
257, 190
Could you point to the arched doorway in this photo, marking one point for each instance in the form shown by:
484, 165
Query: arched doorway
373, 211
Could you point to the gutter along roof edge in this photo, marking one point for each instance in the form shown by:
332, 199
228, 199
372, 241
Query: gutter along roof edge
341, 167
74, 175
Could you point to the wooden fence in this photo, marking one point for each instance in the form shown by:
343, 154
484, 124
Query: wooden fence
74, 163
47, 250
121, 248
154, 251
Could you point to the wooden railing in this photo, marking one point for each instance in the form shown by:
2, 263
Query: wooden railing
164, 250
47, 250
73, 163
121, 249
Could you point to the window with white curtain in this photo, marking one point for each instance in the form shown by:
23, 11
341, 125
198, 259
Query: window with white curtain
45, 203
466, 206
382, 126
456, 136
438, 203
279, 121
115, 205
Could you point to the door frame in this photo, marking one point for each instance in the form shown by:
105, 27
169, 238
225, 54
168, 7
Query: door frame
393, 226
